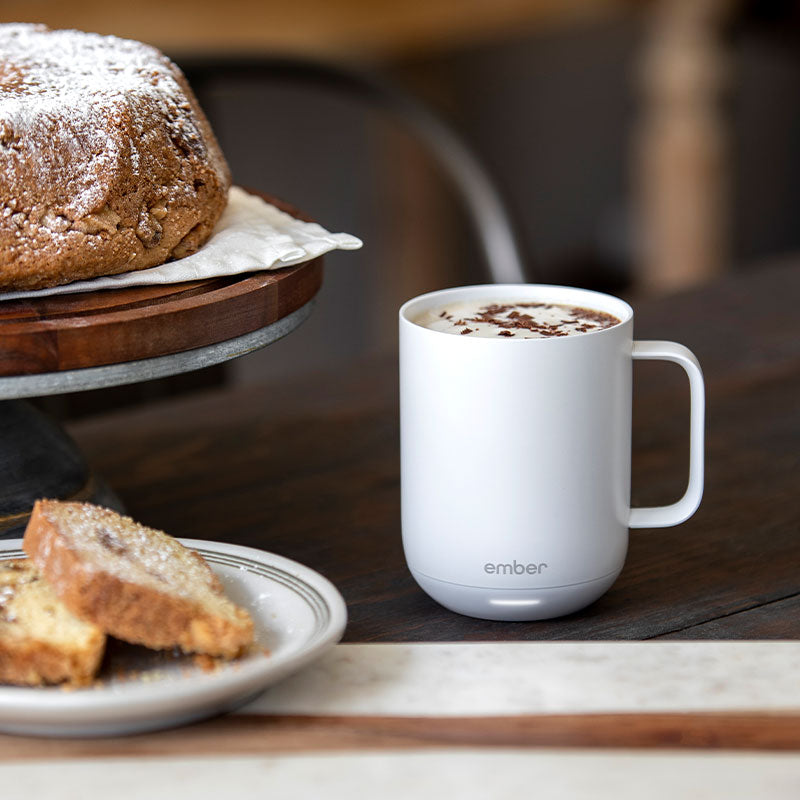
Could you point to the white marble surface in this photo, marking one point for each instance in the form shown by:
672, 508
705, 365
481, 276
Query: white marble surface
542, 677
469, 679
465, 774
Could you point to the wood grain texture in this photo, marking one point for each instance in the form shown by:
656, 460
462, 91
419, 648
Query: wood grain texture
263, 734
92, 329
768, 621
310, 470
341, 28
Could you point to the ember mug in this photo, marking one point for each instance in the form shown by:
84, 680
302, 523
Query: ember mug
516, 452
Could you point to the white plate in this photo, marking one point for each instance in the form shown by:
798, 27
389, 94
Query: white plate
298, 614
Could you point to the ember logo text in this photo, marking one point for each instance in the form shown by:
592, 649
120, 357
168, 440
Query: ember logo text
514, 568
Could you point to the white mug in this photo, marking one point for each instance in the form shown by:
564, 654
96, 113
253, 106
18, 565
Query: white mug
516, 457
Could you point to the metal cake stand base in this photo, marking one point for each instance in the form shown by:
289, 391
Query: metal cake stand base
38, 459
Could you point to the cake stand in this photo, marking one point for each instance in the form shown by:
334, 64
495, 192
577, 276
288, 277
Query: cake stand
92, 340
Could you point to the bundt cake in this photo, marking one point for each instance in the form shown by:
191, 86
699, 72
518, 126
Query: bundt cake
107, 162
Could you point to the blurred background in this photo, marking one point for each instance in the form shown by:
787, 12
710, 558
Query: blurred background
639, 147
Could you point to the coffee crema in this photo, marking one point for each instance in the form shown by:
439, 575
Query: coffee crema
514, 319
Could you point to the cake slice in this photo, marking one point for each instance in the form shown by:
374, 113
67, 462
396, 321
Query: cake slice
135, 583
40, 640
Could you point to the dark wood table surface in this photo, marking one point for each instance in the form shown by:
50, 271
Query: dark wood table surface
310, 469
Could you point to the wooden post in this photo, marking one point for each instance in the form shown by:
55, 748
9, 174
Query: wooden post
681, 176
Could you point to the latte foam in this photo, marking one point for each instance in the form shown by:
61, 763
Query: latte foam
512, 319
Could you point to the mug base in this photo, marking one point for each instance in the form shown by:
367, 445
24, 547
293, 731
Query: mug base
515, 605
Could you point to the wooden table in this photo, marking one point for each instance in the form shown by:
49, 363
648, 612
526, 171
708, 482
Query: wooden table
311, 470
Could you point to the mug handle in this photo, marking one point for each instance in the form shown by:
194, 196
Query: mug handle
664, 516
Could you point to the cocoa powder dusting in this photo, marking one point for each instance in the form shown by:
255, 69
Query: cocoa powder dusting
506, 317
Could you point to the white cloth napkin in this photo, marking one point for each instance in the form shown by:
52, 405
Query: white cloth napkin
251, 235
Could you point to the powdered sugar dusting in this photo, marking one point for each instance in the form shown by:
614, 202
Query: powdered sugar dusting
62, 91
109, 542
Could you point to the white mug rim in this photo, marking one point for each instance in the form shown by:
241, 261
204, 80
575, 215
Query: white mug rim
567, 294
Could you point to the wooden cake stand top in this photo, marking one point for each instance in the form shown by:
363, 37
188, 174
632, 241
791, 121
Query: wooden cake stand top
92, 329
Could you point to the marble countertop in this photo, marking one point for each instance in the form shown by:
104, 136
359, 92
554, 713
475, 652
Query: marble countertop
273, 745
542, 678
462, 773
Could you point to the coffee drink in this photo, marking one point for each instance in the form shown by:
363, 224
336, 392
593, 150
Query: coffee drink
512, 319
